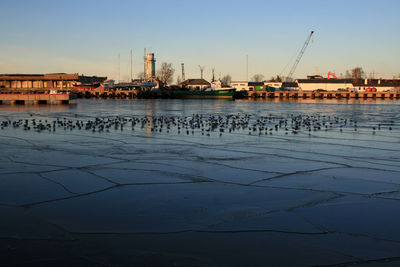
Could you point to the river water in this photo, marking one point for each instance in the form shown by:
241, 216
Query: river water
200, 183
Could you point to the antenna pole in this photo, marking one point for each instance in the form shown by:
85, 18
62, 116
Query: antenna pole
201, 71
144, 64
119, 67
247, 68
131, 67
183, 72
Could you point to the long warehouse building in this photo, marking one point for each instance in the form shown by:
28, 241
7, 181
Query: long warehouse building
55, 81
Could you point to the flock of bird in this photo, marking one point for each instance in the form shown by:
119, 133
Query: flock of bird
204, 124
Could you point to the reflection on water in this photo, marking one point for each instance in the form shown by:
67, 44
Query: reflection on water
179, 104
327, 101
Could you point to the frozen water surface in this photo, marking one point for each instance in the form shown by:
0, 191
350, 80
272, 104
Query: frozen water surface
200, 183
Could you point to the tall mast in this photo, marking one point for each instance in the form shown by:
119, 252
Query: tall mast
144, 64
201, 71
247, 68
119, 67
183, 72
131, 66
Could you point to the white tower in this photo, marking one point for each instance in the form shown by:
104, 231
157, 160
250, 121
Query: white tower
150, 66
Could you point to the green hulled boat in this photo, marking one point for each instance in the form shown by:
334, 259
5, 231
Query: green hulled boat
215, 91
222, 93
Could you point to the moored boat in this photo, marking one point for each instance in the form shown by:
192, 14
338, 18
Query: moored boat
228, 93
215, 91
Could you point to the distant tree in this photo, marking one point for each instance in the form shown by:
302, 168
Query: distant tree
357, 73
287, 79
226, 80
165, 73
275, 79
257, 78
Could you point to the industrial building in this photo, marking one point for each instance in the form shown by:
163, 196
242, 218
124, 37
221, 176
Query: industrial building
247, 86
55, 81
323, 84
276, 85
259, 86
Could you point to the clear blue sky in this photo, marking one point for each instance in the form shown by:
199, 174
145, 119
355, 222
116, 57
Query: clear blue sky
85, 36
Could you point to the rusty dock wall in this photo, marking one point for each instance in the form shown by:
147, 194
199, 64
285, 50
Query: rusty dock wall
324, 94
23, 98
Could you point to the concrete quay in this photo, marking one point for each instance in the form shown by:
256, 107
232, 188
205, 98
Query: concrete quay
256, 94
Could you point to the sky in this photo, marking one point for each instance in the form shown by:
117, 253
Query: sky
86, 36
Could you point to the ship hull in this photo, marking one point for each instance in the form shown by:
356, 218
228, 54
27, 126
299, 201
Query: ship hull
225, 94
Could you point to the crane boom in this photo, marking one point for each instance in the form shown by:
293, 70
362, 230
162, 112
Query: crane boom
303, 49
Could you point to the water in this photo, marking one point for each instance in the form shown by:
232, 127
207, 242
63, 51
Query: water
277, 196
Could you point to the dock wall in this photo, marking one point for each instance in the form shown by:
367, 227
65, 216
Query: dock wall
323, 95
36, 98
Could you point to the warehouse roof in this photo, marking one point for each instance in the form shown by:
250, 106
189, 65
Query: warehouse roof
195, 82
51, 76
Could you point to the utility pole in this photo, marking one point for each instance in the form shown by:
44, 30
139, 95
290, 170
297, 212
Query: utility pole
131, 66
119, 67
247, 68
183, 72
201, 71
144, 63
